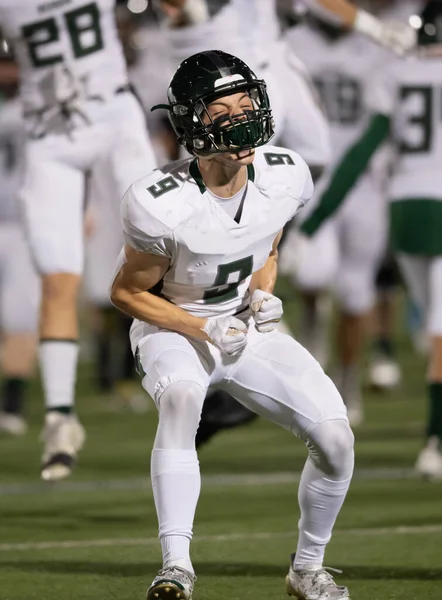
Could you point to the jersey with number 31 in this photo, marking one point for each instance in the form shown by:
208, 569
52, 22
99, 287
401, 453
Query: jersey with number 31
212, 256
56, 39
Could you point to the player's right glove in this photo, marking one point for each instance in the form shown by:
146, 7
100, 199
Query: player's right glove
398, 37
229, 334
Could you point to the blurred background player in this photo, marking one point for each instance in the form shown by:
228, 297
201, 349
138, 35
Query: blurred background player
406, 100
19, 284
344, 254
384, 373
114, 372
78, 107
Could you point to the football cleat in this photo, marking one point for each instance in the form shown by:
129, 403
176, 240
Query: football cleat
314, 585
12, 424
63, 437
385, 373
429, 461
172, 583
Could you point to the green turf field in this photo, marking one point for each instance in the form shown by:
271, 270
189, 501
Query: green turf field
93, 537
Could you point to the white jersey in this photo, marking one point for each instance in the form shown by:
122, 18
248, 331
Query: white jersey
409, 92
212, 257
341, 69
12, 136
68, 51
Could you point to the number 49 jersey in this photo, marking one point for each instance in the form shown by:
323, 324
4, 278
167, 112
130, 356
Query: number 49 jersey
64, 47
212, 257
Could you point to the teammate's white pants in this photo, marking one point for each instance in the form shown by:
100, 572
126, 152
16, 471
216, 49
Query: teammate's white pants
344, 255
106, 239
274, 376
53, 190
19, 283
423, 276
299, 121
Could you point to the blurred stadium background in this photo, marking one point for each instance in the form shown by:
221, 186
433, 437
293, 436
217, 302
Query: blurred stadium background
94, 535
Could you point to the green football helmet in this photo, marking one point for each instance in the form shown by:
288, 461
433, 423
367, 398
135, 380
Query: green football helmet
198, 81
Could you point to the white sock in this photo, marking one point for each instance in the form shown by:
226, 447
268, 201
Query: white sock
58, 366
320, 500
176, 484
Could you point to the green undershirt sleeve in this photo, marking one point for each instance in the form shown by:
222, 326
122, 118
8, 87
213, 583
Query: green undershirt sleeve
348, 171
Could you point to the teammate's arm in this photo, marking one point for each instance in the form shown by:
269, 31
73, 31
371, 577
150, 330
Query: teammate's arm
399, 37
347, 173
139, 272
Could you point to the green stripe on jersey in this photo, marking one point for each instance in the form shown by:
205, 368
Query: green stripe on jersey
353, 164
416, 226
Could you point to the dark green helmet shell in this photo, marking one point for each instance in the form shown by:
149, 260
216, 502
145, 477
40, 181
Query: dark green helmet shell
199, 80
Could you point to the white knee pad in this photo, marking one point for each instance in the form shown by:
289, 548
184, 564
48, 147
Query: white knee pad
180, 407
330, 446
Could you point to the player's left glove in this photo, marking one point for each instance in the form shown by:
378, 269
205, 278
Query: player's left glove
267, 310
399, 37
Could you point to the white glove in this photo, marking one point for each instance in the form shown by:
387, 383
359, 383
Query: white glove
399, 37
229, 334
267, 311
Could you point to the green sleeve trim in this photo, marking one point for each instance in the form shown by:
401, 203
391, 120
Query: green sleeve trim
346, 174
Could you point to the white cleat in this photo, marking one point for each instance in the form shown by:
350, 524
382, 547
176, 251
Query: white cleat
13, 424
172, 583
385, 373
314, 585
63, 437
429, 461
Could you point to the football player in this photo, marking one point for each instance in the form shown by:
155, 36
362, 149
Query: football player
201, 235
19, 290
78, 106
343, 255
406, 100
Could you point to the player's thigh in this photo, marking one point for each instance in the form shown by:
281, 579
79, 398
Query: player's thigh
415, 271
363, 236
305, 127
132, 154
53, 199
318, 259
435, 296
280, 380
20, 285
165, 357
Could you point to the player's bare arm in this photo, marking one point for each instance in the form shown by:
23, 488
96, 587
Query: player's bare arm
265, 278
140, 272
266, 308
